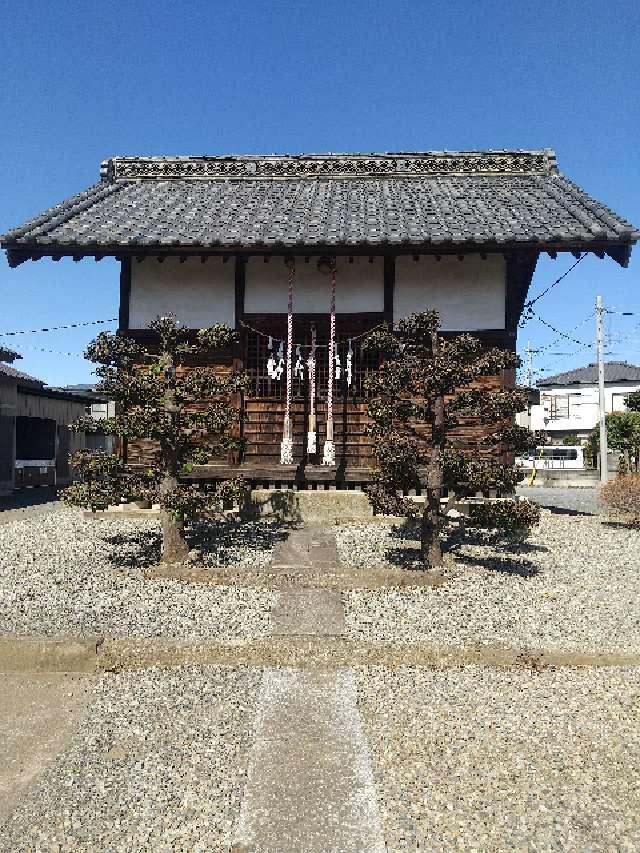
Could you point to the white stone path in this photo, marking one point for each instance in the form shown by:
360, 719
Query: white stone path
310, 784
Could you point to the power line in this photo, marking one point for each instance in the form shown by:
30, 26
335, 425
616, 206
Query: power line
559, 332
527, 312
58, 328
52, 351
609, 339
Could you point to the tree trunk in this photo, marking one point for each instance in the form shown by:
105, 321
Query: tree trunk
430, 546
174, 544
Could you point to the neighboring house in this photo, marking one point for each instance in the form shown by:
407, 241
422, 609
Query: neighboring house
35, 439
210, 240
569, 401
524, 418
99, 409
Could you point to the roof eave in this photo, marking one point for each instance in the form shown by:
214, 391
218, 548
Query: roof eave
19, 252
57, 394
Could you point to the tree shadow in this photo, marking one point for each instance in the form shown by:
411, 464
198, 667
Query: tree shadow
219, 543
26, 498
510, 560
502, 565
456, 537
561, 510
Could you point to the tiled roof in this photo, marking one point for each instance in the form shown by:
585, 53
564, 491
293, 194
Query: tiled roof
412, 200
18, 374
614, 371
7, 354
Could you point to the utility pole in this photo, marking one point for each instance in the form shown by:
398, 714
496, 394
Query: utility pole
529, 362
604, 459
529, 371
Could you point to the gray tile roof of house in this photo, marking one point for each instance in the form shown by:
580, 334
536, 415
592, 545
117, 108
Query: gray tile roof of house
614, 371
19, 375
7, 354
75, 393
428, 200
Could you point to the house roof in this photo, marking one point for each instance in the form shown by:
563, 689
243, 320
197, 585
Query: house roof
428, 200
31, 385
75, 396
12, 373
7, 354
614, 371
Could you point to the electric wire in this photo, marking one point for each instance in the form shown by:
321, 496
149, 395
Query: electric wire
58, 328
528, 314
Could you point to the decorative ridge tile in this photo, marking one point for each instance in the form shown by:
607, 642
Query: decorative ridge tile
314, 166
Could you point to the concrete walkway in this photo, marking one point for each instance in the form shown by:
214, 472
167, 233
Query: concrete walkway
310, 785
38, 716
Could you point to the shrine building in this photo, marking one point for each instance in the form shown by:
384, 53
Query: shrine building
305, 255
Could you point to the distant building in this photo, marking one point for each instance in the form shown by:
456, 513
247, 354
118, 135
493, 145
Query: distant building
35, 439
569, 401
99, 409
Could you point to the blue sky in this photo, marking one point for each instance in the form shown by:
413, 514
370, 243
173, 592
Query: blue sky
83, 81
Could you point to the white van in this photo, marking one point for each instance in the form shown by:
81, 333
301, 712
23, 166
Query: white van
552, 456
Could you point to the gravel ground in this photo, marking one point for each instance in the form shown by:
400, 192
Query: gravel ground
494, 760
63, 574
573, 585
157, 764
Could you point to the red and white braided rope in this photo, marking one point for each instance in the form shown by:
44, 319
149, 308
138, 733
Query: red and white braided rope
312, 374
332, 343
329, 454
287, 411
286, 445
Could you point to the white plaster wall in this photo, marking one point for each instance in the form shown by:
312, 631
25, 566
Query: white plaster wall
359, 286
583, 406
198, 294
469, 295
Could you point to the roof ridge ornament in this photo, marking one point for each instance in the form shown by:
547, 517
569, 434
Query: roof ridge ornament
314, 166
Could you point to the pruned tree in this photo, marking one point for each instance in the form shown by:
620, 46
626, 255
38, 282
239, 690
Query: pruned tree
623, 435
425, 388
187, 415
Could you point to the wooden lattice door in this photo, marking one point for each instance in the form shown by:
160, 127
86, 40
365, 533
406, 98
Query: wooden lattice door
265, 400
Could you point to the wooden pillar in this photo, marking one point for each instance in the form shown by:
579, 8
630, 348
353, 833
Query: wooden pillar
389, 287
240, 285
519, 269
125, 294
121, 447
8, 398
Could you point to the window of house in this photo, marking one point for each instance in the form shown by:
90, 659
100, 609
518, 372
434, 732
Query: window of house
558, 407
565, 453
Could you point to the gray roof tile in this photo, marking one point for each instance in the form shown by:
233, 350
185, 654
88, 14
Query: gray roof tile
7, 354
12, 373
463, 199
614, 371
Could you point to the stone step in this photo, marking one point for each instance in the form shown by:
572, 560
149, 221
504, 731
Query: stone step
310, 783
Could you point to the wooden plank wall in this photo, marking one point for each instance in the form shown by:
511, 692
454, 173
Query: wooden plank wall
263, 431
8, 393
142, 452
263, 419
63, 412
